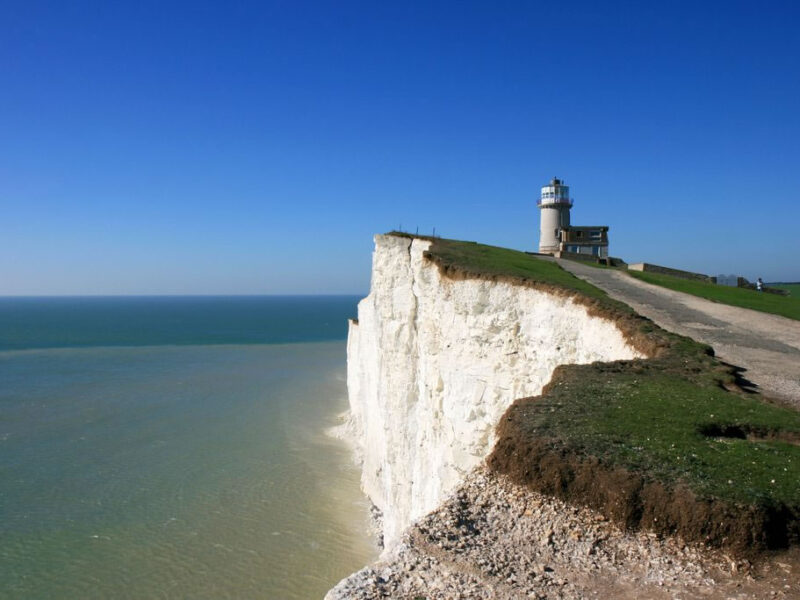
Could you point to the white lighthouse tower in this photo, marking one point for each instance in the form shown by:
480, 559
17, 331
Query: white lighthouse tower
554, 205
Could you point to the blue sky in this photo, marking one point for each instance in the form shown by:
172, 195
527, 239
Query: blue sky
256, 147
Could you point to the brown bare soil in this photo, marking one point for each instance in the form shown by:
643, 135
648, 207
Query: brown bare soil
634, 502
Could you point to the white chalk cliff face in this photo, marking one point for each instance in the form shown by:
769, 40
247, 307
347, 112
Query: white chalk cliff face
432, 364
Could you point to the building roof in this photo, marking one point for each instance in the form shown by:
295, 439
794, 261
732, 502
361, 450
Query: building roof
585, 227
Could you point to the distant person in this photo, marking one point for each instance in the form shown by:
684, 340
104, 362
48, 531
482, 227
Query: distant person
760, 285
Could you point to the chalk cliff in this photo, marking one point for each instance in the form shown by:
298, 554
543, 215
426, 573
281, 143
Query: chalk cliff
433, 362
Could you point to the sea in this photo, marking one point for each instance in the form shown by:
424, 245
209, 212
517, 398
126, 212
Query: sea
176, 447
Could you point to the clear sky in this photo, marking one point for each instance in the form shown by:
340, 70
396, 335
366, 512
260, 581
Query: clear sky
255, 147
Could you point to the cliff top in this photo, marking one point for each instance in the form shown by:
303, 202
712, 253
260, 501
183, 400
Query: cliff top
479, 260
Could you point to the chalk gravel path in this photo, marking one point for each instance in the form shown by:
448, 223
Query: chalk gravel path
767, 346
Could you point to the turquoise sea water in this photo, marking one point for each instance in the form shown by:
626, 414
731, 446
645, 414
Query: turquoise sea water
175, 448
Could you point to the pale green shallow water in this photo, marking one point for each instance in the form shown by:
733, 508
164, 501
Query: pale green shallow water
176, 472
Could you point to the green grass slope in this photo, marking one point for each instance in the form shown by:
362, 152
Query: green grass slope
785, 306
660, 450
480, 259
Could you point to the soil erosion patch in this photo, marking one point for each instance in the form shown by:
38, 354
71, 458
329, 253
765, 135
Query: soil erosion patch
656, 449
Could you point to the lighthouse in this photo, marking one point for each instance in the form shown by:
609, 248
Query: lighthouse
557, 236
554, 205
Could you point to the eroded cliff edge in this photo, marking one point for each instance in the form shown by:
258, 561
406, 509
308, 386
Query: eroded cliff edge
434, 361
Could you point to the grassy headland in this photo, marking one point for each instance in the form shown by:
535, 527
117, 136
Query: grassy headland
785, 306
668, 443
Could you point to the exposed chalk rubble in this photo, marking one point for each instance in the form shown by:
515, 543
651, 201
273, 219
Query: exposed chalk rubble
495, 540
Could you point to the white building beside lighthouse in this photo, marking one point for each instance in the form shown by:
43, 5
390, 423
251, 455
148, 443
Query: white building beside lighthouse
557, 235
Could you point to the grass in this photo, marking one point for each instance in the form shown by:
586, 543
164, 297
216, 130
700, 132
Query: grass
658, 444
667, 419
653, 422
785, 306
792, 288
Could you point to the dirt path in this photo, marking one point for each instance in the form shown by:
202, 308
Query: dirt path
766, 346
